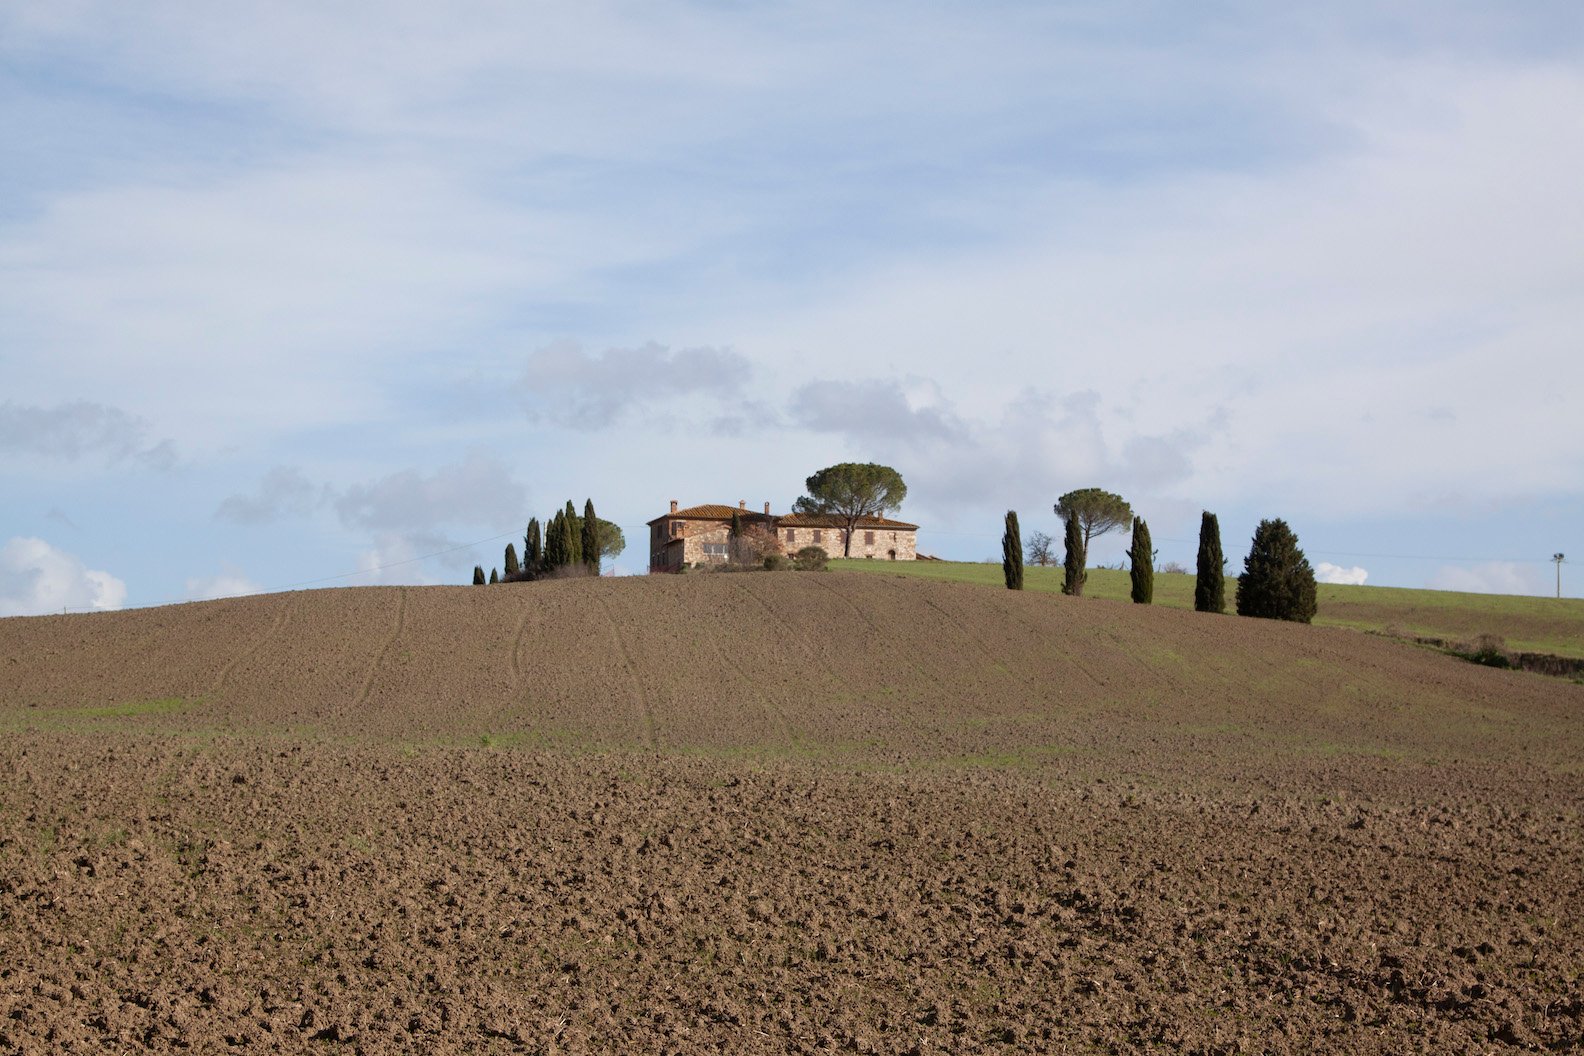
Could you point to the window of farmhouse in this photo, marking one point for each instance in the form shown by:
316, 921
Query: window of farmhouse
791, 535
817, 534
869, 538
714, 549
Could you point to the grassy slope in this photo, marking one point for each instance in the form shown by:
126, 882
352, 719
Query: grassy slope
1542, 625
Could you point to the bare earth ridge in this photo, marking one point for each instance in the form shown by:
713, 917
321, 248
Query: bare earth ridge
775, 813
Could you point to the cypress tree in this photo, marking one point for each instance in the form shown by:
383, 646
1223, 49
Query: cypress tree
511, 560
590, 537
1143, 567
1012, 552
1277, 582
574, 536
1209, 583
494, 576
533, 546
478, 575
1073, 563
555, 543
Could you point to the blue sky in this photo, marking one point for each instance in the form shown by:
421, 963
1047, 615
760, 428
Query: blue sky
304, 293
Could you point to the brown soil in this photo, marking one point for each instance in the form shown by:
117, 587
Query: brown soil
771, 813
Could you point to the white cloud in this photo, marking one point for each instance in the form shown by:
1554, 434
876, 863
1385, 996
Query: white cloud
568, 386
230, 583
1493, 577
1326, 572
480, 490
36, 578
283, 491
77, 428
398, 558
891, 411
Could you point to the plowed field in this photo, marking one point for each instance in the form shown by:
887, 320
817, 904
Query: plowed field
775, 813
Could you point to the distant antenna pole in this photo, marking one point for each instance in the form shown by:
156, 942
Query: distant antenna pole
1559, 558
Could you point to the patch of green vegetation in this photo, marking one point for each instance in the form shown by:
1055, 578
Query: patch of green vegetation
162, 706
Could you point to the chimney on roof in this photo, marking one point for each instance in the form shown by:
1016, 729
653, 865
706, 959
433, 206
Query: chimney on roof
742, 504
767, 509
673, 505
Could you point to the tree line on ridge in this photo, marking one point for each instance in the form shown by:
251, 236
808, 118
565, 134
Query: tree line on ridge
1277, 581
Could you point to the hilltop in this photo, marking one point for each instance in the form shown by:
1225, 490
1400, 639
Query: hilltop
773, 664
773, 813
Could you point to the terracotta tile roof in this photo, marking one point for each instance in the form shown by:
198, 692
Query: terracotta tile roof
823, 520
714, 511
709, 511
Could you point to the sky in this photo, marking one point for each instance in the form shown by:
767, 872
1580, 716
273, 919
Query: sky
306, 294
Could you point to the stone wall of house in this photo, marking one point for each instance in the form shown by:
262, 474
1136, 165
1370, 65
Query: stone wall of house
701, 537
698, 539
707, 542
880, 544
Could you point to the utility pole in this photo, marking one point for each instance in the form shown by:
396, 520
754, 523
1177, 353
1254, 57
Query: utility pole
1559, 558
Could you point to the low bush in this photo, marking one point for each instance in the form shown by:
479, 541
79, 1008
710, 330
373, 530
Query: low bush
1487, 649
810, 559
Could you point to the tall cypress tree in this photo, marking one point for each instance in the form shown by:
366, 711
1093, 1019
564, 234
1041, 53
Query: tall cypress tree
1012, 552
1277, 582
1209, 582
574, 536
478, 575
1073, 564
511, 560
494, 575
555, 549
1143, 563
533, 546
590, 537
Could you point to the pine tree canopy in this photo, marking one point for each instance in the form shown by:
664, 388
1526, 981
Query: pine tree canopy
1098, 512
852, 491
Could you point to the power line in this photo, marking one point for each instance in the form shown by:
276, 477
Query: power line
393, 564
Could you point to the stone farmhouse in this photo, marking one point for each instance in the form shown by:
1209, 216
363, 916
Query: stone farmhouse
702, 535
